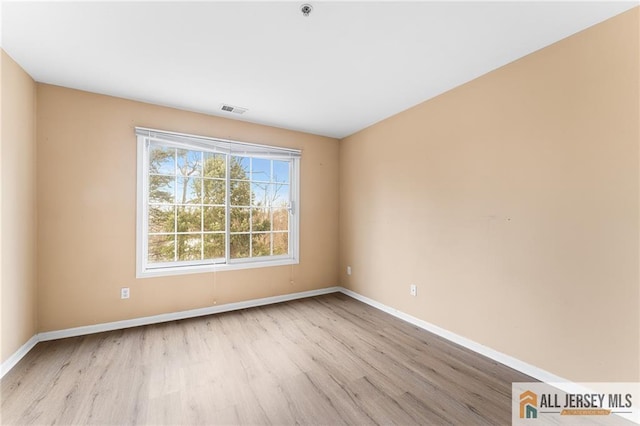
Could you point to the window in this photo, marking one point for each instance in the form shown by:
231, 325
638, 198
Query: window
208, 204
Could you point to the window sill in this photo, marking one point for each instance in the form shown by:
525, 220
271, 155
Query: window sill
201, 269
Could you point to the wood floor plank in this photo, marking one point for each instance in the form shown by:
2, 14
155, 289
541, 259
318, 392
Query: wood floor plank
323, 360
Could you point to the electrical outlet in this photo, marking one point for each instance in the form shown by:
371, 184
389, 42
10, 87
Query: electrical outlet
413, 290
348, 270
124, 293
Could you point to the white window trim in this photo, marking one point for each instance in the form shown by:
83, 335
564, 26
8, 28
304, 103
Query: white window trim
143, 271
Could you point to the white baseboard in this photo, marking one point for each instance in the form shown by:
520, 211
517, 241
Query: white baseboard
521, 366
10, 362
173, 316
510, 361
7, 365
493, 354
516, 364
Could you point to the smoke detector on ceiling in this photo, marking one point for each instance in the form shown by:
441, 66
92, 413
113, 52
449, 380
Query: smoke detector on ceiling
232, 109
306, 9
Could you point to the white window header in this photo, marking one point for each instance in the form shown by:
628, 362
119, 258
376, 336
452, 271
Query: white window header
187, 141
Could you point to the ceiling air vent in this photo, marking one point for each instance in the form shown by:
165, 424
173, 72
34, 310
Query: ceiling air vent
233, 109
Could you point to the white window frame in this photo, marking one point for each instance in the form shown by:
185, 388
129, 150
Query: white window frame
229, 147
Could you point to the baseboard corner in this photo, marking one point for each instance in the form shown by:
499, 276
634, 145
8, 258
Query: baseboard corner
10, 362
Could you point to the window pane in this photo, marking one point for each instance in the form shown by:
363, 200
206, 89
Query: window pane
214, 246
281, 171
260, 220
240, 193
214, 218
260, 169
215, 165
189, 247
239, 167
162, 160
161, 219
239, 221
260, 194
239, 245
189, 163
204, 206
280, 243
161, 189
189, 219
261, 245
280, 219
161, 248
214, 191
189, 190
280, 195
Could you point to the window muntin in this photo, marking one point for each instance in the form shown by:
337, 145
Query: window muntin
211, 203
186, 204
260, 202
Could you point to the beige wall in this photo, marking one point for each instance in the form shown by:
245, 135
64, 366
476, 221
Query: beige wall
18, 208
87, 213
512, 202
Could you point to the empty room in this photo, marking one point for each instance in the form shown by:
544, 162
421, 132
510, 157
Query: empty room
322, 212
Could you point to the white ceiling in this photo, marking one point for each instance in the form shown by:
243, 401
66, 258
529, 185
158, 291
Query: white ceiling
343, 68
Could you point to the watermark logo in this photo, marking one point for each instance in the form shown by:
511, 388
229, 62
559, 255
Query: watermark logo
568, 403
528, 405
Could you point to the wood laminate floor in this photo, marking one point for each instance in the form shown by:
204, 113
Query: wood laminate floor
324, 360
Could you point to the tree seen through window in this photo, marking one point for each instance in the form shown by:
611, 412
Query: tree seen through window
188, 206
